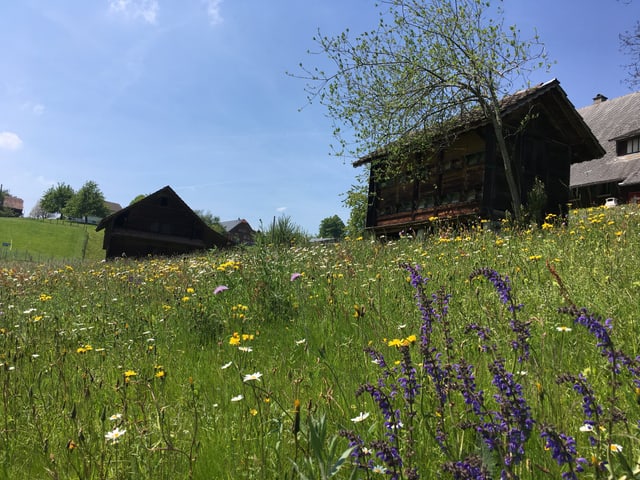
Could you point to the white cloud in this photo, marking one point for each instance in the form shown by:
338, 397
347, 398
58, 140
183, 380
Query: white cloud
10, 141
147, 10
35, 108
213, 11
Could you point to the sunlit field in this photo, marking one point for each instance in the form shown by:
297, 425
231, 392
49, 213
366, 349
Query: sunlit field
463, 354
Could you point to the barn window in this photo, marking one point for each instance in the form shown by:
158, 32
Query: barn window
628, 145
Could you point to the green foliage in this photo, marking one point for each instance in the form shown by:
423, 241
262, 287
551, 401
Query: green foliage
282, 231
401, 87
332, 227
323, 457
211, 220
55, 198
137, 198
87, 201
357, 200
204, 385
536, 202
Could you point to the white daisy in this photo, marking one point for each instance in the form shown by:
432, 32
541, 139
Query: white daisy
363, 416
252, 376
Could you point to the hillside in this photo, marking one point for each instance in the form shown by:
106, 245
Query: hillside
41, 240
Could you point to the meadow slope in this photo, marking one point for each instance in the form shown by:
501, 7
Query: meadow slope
332, 361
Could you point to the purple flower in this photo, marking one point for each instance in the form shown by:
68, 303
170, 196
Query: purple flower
502, 286
219, 289
295, 276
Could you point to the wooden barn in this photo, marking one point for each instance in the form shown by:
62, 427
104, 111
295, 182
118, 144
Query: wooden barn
239, 231
159, 224
465, 179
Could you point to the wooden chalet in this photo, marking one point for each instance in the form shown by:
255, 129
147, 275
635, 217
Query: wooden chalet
616, 125
239, 231
159, 224
464, 179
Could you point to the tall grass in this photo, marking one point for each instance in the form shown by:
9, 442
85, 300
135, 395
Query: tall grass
257, 363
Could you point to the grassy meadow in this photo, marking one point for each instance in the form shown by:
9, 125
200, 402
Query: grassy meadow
43, 240
336, 360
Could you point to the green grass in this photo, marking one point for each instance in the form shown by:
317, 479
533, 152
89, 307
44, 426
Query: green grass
147, 347
42, 240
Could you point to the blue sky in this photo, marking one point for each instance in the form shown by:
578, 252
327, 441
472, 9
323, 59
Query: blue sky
139, 94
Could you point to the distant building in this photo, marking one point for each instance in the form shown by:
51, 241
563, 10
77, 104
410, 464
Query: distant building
13, 203
159, 224
616, 125
239, 231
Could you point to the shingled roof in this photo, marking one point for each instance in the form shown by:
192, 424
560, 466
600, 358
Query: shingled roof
561, 111
610, 120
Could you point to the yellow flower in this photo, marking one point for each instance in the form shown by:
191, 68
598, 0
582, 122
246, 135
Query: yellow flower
160, 374
253, 412
85, 349
185, 299
130, 373
190, 290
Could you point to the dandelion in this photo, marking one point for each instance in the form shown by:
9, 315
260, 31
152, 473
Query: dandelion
253, 412
130, 373
114, 435
220, 289
226, 365
253, 376
360, 418
237, 398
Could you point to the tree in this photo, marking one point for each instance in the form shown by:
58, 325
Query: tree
137, 198
211, 220
356, 199
630, 45
38, 212
55, 199
5, 211
89, 200
332, 227
425, 66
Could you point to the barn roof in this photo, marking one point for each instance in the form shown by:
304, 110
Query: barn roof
610, 121
554, 99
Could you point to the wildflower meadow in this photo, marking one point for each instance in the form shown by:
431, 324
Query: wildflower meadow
467, 353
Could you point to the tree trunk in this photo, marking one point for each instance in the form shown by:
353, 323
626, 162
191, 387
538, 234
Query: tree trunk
514, 190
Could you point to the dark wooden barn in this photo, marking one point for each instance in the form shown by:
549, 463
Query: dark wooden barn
465, 179
159, 224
